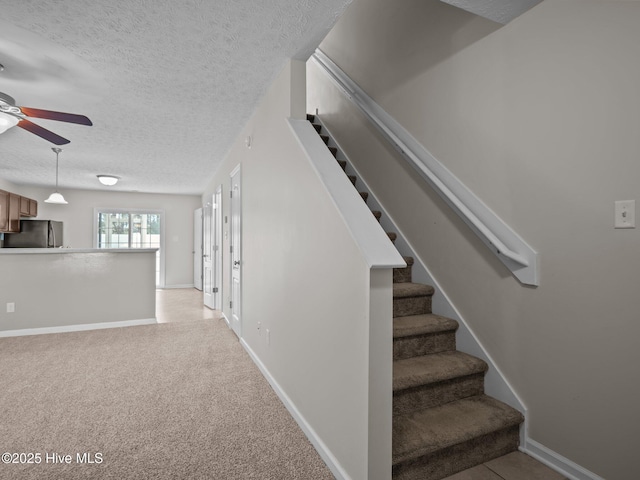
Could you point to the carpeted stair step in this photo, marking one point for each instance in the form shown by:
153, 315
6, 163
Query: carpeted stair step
377, 214
418, 335
334, 152
311, 118
411, 299
317, 127
438, 442
432, 380
343, 163
353, 179
364, 196
403, 274
325, 139
392, 236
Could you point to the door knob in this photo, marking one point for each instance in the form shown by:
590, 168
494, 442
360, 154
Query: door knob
236, 263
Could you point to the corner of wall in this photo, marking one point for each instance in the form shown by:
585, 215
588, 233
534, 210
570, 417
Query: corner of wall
298, 106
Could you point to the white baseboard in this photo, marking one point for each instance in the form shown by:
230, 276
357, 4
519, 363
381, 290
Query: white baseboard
318, 444
76, 328
226, 320
554, 460
169, 287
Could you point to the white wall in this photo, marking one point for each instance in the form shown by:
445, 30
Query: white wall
540, 119
304, 280
78, 218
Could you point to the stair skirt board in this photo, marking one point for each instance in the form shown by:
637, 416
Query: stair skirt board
496, 384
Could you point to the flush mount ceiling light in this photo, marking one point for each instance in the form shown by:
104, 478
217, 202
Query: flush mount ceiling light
108, 180
56, 197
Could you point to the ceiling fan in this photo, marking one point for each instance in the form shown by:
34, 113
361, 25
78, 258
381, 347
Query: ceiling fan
11, 115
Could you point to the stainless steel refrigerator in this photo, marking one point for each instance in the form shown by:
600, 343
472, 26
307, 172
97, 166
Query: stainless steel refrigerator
35, 234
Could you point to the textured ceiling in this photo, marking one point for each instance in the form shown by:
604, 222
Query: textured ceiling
167, 84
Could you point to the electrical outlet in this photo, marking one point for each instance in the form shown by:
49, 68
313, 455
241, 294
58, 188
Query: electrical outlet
11, 307
625, 214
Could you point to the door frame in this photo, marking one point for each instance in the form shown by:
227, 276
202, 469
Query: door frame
197, 249
207, 247
217, 248
235, 249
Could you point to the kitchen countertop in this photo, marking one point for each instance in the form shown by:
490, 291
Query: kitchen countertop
23, 251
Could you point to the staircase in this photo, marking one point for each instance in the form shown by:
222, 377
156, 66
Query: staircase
443, 422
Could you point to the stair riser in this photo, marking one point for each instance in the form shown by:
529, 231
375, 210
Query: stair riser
459, 457
401, 275
411, 306
427, 396
419, 345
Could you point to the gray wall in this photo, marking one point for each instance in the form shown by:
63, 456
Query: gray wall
540, 119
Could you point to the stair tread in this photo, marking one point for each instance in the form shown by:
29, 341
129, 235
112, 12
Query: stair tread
410, 289
408, 260
433, 368
422, 325
427, 431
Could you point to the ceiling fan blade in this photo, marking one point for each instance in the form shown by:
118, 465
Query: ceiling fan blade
42, 132
59, 116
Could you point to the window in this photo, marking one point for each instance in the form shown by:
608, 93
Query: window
116, 228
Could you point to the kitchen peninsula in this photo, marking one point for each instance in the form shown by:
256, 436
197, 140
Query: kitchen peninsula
45, 290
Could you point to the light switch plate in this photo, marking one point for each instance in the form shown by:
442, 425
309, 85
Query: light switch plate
625, 214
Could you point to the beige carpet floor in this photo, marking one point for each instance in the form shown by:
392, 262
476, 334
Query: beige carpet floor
167, 401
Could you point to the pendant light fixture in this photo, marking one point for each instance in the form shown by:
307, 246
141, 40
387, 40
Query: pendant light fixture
56, 197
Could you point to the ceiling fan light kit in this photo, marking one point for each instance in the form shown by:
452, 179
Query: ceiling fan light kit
108, 180
56, 197
7, 121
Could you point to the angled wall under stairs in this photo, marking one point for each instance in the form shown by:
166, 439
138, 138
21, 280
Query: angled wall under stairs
443, 422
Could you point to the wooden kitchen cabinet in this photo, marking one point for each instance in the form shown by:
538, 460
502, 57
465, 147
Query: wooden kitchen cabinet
14, 213
33, 207
4, 211
12, 207
28, 207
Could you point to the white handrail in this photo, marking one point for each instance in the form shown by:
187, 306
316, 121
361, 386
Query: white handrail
512, 251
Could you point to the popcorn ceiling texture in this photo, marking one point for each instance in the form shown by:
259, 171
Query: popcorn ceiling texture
168, 85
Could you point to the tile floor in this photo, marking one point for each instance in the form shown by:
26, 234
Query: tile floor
182, 305
514, 466
185, 304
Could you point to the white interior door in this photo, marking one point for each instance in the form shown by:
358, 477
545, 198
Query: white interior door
197, 248
207, 270
236, 252
217, 249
